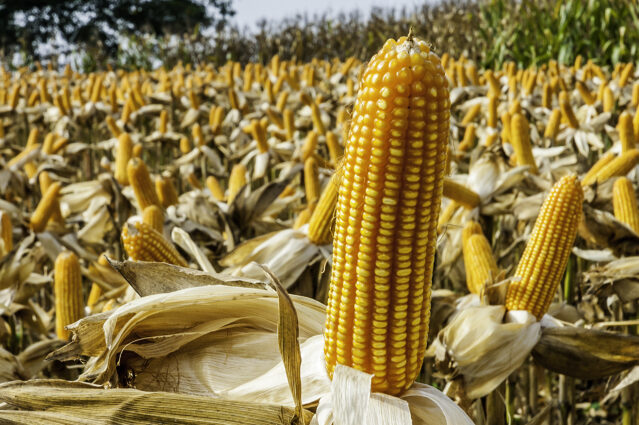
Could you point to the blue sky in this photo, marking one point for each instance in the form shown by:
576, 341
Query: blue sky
250, 11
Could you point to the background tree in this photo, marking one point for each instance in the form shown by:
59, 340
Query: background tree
39, 28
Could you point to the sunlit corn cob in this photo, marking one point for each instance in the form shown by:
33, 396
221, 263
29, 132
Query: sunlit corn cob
319, 228
6, 232
143, 243
45, 182
520, 139
460, 193
471, 114
635, 94
546, 96
590, 176
69, 302
626, 132
162, 123
289, 123
608, 100
194, 181
140, 181
303, 218
96, 290
310, 145
625, 74
335, 151
505, 129
215, 188
122, 157
552, 128
311, 183
586, 96
479, 262
386, 217
166, 192
237, 180
544, 260
259, 135
624, 202
493, 103
566, 110
468, 142
471, 228
45, 208
619, 166
153, 216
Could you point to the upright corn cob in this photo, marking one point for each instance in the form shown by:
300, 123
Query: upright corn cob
544, 260
45, 208
6, 232
122, 157
215, 188
143, 243
590, 176
319, 228
153, 216
479, 262
460, 193
237, 180
311, 183
166, 192
140, 180
624, 202
626, 132
520, 138
69, 302
386, 217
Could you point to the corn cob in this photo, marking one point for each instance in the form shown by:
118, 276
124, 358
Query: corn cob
96, 290
626, 132
45, 208
335, 151
625, 74
635, 126
471, 228
275, 117
153, 216
460, 193
259, 134
520, 138
185, 145
546, 96
386, 216
310, 145
608, 100
311, 183
6, 232
590, 176
123, 155
316, 116
586, 96
289, 123
215, 188
45, 182
635, 94
468, 142
505, 129
515, 107
143, 243
141, 183
216, 116
624, 202
493, 103
479, 262
319, 228
166, 192
303, 218
164, 118
544, 260
471, 114
566, 110
59, 143
489, 140
69, 303
237, 180
193, 181
620, 166
554, 122
281, 101
197, 135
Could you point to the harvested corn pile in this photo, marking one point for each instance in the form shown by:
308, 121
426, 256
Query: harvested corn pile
321, 242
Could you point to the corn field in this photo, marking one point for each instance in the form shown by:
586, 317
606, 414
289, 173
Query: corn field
408, 239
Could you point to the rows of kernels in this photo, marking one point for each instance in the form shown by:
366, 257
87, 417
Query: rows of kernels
544, 260
624, 202
69, 302
143, 243
377, 316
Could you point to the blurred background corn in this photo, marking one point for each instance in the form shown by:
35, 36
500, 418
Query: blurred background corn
320, 223
45, 208
140, 180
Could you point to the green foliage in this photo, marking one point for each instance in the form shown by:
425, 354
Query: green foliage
531, 32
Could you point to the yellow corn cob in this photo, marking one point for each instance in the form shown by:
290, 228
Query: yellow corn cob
113, 127
530, 83
310, 145
493, 103
635, 126
233, 100
197, 135
490, 139
520, 138
14, 96
544, 260
554, 122
471, 228
166, 192
164, 118
471, 114
620, 166
6, 232
153, 216
302, 219
468, 142
460, 193
45, 208
626, 132
259, 134
624, 202
59, 143
590, 176
69, 303
316, 116
143, 243
479, 262
319, 228
45, 182
216, 117
141, 183
289, 123
193, 181
471, 73
635, 94
185, 145
608, 100
215, 188
123, 155
625, 74
600, 91
311, 183
32, 140
33, 99
193, 99
335, 151
566, 110
281, 101
546, 96
275, 117
96, 290
586, 96
515, 107
386, 216
505, 130
237, 180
